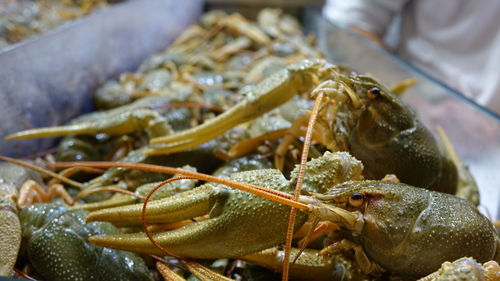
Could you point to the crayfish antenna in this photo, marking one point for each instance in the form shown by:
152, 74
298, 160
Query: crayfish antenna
274, 195
43, 171
402, 86
300, 180
306, 240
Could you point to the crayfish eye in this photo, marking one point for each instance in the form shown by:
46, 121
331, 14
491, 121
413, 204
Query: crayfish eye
356, 199
373, 92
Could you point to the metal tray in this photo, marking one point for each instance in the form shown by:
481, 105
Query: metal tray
48, 79
473, 130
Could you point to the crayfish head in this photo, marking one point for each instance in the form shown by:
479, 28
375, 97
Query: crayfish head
388, 138
387, 210
380, 112
410, 231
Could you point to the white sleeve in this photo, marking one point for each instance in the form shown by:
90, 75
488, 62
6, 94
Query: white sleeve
371, 15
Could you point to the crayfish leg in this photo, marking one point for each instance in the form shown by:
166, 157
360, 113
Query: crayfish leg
309, 266
367, 265
201, 272
204, 273
31, 192
167, 273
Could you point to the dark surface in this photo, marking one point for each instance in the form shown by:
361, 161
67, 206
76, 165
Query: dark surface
48, 79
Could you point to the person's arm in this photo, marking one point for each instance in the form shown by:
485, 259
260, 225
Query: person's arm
368, 18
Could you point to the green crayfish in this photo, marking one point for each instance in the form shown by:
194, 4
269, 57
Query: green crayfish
391, 226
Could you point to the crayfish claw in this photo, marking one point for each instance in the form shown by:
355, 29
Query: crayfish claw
185, 205
192, 240
111, 124
263, 97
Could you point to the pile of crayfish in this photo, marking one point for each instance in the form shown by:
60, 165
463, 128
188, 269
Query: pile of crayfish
280, 160
22, 19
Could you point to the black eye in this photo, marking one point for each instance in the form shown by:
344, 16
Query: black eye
356, 199
356, 196
374, 92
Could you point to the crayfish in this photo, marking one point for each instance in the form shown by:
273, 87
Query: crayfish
385, 223
370, 122
348, 194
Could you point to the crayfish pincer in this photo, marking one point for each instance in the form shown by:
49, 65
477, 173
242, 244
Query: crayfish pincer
238, 222
406, 230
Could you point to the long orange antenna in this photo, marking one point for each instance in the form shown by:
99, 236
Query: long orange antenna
298, 186
43, 171
268, 193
